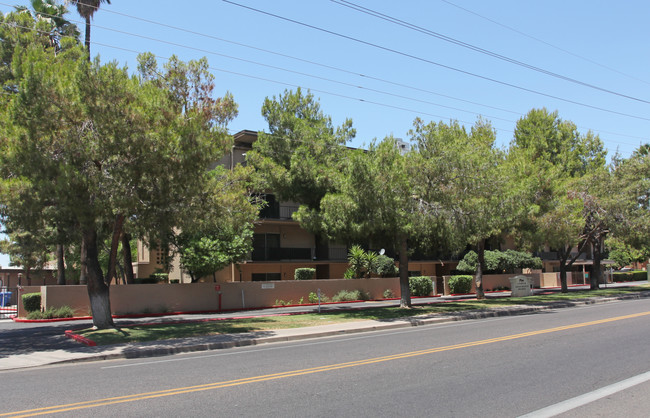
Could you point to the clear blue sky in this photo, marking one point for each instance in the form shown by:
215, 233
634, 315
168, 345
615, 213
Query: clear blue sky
382, 88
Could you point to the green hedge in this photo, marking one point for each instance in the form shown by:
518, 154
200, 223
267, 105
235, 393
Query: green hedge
460, 284
154, 278
304, 274
32, 302
630, 276
420, 286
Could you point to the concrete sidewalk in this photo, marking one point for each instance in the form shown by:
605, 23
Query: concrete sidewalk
67, 350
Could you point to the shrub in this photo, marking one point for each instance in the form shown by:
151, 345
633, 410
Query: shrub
159, 277
313, 297
349, 274
388, 294
630, 276
50, 313
420, 286
304, 274
153, 279
500, 261
350, 295
32, 302
384, 266
460, 284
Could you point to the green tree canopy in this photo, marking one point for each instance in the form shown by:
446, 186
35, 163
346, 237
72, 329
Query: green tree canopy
551, 159
104, 147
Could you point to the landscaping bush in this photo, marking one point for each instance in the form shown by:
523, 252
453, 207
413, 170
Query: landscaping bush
630, 276
50, 313
349, 274
32, 302
420, 286
313, 297
460, 284
154, 278
384, 266
304, 274
350, 295
499, 261
388, 294
159, 277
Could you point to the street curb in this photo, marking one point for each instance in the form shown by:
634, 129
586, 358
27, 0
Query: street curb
170, 347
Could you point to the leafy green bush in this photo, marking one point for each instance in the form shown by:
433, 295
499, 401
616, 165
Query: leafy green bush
388, 294
460, 284
159, 277
384, 266
304, 273
500, 261
349, 274
313, 297
32, 302
154, 278
350, 295
630, 276
50, 313
420, 286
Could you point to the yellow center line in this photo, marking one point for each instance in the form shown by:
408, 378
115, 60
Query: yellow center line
294, 373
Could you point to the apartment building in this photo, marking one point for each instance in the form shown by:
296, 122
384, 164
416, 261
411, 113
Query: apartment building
280, 245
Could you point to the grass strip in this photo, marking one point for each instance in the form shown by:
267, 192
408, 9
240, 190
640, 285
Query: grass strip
186, 329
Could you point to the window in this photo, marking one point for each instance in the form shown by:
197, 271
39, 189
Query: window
266, 277
265, 246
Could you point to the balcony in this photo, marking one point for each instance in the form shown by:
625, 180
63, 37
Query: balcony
282, 212
278, 254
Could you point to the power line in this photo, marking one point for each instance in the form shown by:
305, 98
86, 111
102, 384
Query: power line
356, 86
487, 52
428, 61
321, 65
331, 93
510, 28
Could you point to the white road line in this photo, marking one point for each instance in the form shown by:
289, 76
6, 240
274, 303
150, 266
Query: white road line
569, 404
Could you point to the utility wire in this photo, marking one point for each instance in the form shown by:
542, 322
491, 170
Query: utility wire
355, 86
487, 52
510, 28
324, 91
309, 62
428, 61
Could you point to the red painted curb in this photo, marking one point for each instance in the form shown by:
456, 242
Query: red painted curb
76, 318
79, 338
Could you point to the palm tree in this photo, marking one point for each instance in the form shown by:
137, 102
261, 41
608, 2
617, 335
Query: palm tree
50, 11
86, 9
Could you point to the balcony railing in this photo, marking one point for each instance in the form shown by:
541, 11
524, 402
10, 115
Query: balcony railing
278, 212
277, 254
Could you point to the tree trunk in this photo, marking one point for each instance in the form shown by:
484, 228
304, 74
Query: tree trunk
596, 272
100, 303
115, 242
83, 270
128, 261
480, 266
88, 36
405, 292
563, 283
60, 265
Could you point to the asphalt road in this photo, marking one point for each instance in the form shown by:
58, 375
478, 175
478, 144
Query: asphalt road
500, 367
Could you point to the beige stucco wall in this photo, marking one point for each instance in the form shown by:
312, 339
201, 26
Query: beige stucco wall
153, 298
